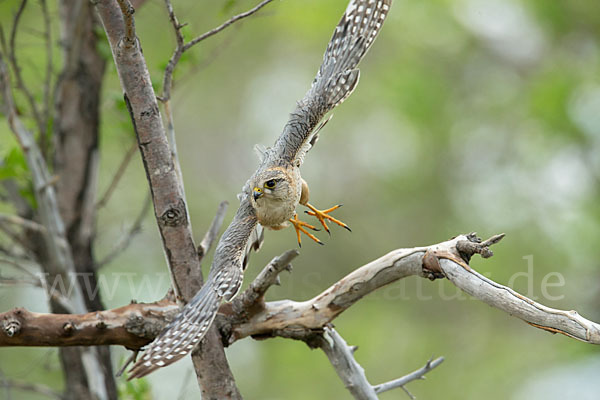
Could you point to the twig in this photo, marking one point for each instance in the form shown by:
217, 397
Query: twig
14, 236
44, 145
219, 28
22, 222
126, 241
213, 231
182, 47
18, 266
39, 281
117, 176
418, 374
12, 57
352, 374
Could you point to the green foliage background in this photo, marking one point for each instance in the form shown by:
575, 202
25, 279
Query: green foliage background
471, 115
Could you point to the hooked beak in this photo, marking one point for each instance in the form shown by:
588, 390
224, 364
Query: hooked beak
257, 193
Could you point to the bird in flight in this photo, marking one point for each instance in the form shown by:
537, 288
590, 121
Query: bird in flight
273, 192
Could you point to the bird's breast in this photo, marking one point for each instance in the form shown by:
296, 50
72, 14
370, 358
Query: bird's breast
274, 213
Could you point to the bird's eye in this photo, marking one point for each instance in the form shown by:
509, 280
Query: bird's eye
270, 184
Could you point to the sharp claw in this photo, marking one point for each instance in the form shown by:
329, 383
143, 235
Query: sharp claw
347, 227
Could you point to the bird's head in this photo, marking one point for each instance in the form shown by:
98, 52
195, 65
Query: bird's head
270, 185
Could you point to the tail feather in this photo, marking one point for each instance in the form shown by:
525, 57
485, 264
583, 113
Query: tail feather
181, 336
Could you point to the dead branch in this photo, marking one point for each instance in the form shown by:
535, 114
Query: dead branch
341, 356
22, 222
213, 231
300, 320
131, 326
248, 315
413, 376
16, 68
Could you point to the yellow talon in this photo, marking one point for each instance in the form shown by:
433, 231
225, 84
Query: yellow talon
323, 215
299, 226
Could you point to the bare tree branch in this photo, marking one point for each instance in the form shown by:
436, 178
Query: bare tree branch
182, 47
418, 374
44, 140
303, 320
12, 57
213, 231
39, 281
300, 320
268, 277
22, 222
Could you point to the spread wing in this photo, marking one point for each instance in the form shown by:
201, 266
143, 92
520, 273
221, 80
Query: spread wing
337, 77
224, 280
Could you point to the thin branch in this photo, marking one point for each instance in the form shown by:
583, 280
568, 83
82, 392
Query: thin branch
44, 142
418, 374
182, 47
117, 176
12, 57
14, 236
213, 231
219, 28
124, 243
18, 266
22, 222
39, 281
268, 277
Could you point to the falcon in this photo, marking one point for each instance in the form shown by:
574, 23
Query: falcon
273, 192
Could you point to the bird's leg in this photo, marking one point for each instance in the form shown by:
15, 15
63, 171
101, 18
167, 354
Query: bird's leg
299, 226
323, 215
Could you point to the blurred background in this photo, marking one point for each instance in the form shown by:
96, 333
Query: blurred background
471, 115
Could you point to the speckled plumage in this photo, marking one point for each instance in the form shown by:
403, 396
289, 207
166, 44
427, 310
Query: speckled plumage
335, 80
